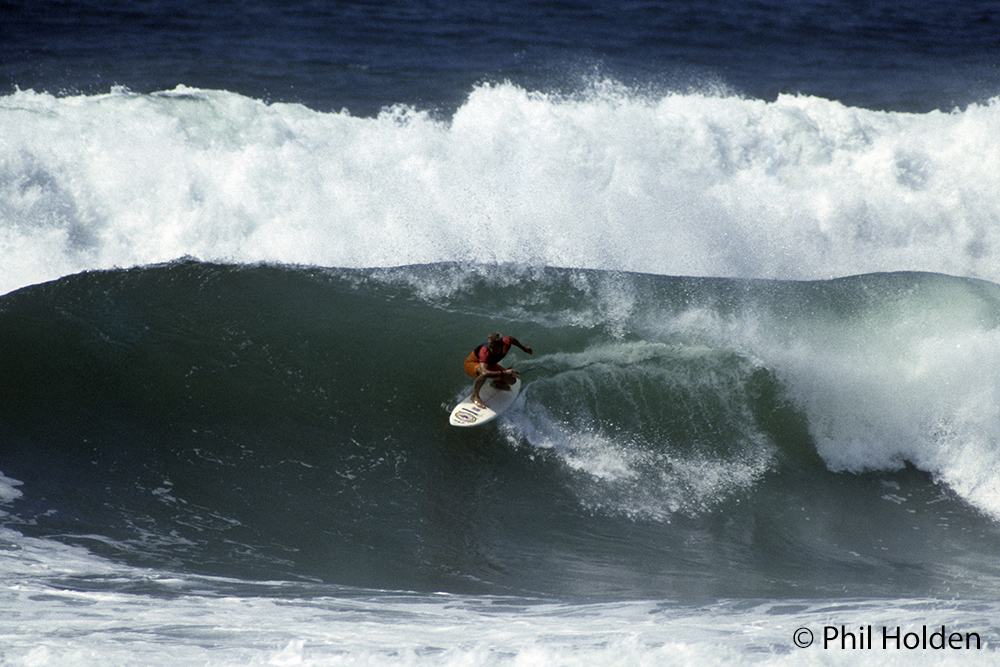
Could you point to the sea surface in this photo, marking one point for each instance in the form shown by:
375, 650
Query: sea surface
246, 246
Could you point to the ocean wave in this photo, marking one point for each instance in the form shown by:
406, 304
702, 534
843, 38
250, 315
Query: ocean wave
686, 183
283, 422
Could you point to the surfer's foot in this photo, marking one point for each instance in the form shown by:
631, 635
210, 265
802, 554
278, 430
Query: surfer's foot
501, 385
477, 401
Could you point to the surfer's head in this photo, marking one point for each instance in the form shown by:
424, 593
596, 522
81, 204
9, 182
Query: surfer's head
494, 339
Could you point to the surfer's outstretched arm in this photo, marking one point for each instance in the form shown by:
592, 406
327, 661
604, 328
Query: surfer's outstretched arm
516, 342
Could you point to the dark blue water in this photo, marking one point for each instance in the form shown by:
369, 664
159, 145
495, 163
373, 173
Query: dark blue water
911, 55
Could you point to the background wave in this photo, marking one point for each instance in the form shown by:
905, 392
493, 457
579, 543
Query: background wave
685, 183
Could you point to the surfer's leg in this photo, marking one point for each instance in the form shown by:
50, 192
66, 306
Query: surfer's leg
476, 386
471, 366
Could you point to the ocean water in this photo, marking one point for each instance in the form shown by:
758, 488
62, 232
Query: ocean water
245, 247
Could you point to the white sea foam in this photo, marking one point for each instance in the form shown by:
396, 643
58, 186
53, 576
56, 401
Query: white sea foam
910, 382
63, 605
691, 183
8, 490
933, 403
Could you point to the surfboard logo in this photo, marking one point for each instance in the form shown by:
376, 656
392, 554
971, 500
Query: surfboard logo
466, 416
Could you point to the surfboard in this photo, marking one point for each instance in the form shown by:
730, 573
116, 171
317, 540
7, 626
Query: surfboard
468, 413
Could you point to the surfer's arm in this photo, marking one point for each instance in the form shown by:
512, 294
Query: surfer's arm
484, 371
526, 348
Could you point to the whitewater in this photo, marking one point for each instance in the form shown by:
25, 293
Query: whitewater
697, 183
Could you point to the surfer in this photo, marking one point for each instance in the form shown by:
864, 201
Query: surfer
482, 364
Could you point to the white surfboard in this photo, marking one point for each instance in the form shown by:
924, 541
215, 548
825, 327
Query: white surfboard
468, 413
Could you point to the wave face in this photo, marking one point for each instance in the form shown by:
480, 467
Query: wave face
687, 183
676, 438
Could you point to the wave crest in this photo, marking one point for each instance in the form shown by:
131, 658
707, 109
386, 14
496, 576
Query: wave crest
684, 183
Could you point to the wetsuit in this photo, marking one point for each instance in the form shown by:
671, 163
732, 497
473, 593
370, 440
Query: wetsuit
482, 355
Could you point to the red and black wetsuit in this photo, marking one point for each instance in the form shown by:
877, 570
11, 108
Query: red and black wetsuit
482, 355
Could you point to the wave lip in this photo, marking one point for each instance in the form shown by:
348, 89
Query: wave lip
906, 376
